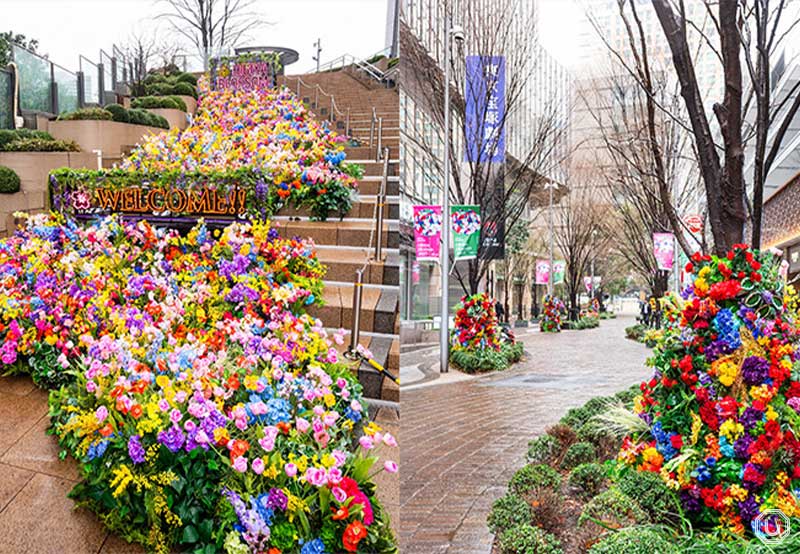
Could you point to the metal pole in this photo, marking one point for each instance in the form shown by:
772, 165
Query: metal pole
347, 123
380, 139
381, 200
550, 224
358, 289
444, 327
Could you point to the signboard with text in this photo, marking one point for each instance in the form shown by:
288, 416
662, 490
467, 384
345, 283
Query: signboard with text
485, 114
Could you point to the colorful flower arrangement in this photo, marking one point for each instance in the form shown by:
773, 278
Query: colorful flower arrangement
264, 141
208, 410
724, 404
553, 307
478, 341
476, 323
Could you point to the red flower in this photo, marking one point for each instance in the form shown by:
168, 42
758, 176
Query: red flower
724, 290
339, 514
676, 441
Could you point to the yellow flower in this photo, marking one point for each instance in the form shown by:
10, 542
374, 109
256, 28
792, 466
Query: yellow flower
731, 429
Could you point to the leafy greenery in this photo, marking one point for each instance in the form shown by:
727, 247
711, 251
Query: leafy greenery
533, 477
543, 450
41, 145
8, 38
635, 540
652, 494
587, 479
143, 117
159, 102
118, 113
9, 180
613, 509
7, 135
86, 113
508, 511
578, 453
488, 359
526, 539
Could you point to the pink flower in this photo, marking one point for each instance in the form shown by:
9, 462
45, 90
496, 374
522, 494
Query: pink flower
101, 414
175, 415
163, 405
389, 440
322, 438
91, 386
366, 442
258, 466
302, 425
390, 466
290, 469
316, 477
339, 494
240, 464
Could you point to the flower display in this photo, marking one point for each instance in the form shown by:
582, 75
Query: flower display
552, 308
208, 410
476, 324
722, 406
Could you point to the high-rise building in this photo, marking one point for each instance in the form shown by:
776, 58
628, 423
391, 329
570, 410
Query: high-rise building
541, 88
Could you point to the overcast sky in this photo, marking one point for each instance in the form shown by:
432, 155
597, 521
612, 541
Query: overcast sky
560, 23
67, 28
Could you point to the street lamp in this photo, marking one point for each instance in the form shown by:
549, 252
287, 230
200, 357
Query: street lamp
450, 32
551, 186
593, 294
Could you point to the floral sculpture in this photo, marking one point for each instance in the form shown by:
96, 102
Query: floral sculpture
551, 316
208, 410
476, 324
722, 407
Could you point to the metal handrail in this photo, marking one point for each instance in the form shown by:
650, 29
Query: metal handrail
381, 205
334, 110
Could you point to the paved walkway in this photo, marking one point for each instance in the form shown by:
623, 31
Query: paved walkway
461, 442
36, 517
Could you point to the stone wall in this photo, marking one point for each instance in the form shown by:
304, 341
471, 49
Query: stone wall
33, 169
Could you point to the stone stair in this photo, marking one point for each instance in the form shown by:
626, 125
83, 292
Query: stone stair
346, 245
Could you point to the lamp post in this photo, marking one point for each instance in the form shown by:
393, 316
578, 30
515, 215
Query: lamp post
550, 186
594, 234
456, 32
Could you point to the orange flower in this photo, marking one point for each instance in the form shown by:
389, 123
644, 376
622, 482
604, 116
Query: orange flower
106, 430
340, 514
353, 535
233, 382
238, 448
136, 411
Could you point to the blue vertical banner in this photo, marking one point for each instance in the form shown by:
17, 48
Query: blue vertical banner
486, 105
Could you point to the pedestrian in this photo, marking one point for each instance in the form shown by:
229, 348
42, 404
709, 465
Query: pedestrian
500, 311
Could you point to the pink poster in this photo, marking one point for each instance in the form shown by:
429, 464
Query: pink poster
664, 250
415, 272
542, 272
427, 232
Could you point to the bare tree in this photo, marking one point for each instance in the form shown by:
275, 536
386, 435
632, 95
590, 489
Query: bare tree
643, 160
504, 190
140, 51
210, 25
735, 23
580, 230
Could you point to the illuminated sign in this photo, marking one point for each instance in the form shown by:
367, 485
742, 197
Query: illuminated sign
159, 200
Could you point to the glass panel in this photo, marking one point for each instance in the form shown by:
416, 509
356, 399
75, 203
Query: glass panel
67, 90
6, 101
90, 83
34, 80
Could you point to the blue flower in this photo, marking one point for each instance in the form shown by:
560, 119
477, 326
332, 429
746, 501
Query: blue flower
314, 547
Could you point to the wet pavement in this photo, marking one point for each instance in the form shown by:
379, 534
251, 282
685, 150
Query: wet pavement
462, 441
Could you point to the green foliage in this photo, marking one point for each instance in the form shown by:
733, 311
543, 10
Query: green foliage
575, 417
613, 509
8, 38
9, 180
532, 477
587, 479
184, 89
652, 494
526, 539
508, 511
635, 540
578, 453
86, 113
543, 450
7, 135
143, 117
159, 102
186, 78
41, 145
118, 113
636, 332
488, 359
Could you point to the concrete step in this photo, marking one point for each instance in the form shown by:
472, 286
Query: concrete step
374, 168
342, 233
368, 152
363, 208
379, 307
343, 262
370, 185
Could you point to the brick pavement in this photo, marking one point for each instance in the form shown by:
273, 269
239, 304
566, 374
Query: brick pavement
461, 442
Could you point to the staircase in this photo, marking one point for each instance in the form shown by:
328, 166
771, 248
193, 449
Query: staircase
370, 112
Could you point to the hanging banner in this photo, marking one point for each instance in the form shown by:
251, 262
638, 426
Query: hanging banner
493, 228
427, 232
587, 282
466, 225
559, 269
542, 272
485, 116
664, 250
